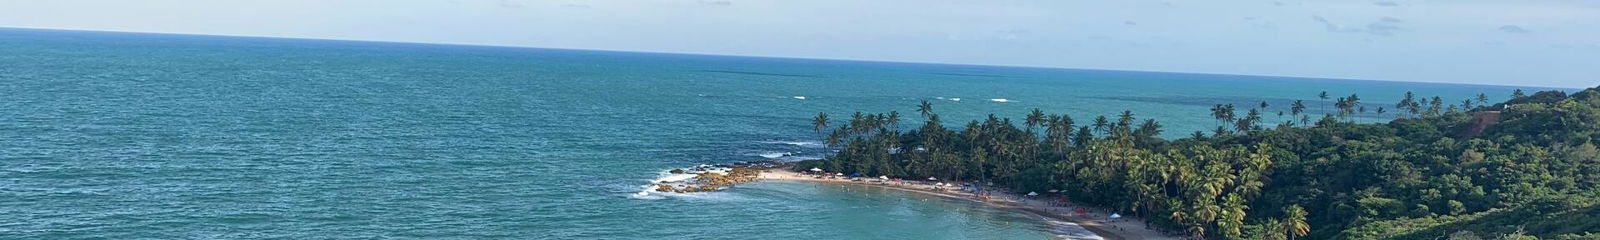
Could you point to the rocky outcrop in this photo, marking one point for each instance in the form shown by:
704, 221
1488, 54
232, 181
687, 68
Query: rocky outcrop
708, 180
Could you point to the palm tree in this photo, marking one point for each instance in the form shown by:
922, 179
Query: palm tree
1272, 229
1404, 103
925, 108
1434, 106
1324, 97
1217, 113
1362, 110
1515, 94
1297, 108
1483, 99
1125, 120
1150, 128
1296, 221
1102, 125
894, 119
858, 123
820, 122
1034, 118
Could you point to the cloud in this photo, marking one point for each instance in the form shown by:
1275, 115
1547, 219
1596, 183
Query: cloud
1387, 3
1513, 29
1331, 27
1384, 26
1130, 23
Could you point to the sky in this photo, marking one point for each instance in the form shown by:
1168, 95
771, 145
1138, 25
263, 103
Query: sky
1499, 42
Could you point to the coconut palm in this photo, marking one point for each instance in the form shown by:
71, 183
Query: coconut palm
1102, 125
1324, 97
1034, 118
925, 108
820, 122
894, 119
1404, 103
1295, 219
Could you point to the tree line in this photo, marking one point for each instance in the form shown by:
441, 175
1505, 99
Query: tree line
1524, 168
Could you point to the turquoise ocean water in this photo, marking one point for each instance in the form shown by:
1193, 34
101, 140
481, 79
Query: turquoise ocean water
118, 135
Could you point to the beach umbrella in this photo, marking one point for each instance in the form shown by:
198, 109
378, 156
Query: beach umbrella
838, 174
816, 169
933, 179
1033, 194
1116, 216
1053, 190
883, 177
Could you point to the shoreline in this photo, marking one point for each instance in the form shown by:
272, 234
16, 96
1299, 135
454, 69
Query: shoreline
1127, 228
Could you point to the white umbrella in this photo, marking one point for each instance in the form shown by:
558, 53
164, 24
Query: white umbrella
816, 169
933, 179
883, 177
838, 174
1053, 190
1116, 216
1033, 194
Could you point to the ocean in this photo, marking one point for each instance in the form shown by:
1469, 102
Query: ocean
124, 135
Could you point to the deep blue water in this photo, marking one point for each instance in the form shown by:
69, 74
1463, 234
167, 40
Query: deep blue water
118, 135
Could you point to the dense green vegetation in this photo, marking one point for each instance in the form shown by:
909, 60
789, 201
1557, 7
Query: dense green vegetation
1523, 169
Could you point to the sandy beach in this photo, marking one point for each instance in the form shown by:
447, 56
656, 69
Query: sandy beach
1094, 220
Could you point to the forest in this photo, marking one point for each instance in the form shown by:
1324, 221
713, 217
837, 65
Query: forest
1525, 168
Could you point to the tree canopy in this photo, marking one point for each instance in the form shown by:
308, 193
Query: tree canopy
1524, 168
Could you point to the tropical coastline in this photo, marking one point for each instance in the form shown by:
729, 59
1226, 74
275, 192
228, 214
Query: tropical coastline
1093, 220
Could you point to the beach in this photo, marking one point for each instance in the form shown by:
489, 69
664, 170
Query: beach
1093, 220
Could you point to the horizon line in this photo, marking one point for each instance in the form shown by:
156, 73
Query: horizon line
784, 57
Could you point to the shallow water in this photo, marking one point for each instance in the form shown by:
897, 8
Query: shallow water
115, 135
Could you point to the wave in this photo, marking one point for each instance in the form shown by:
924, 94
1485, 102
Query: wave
1000, 100
667, 177
795, 143
774, 155
1069, 230
800, 97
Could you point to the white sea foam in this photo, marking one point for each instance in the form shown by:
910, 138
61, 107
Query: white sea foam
796, 143
800, 97
955, 99
774, 154
1000, 100
678, 180
1068, 230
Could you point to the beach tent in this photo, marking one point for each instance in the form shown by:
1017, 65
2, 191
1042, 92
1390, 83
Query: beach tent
816, 169
855, 174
